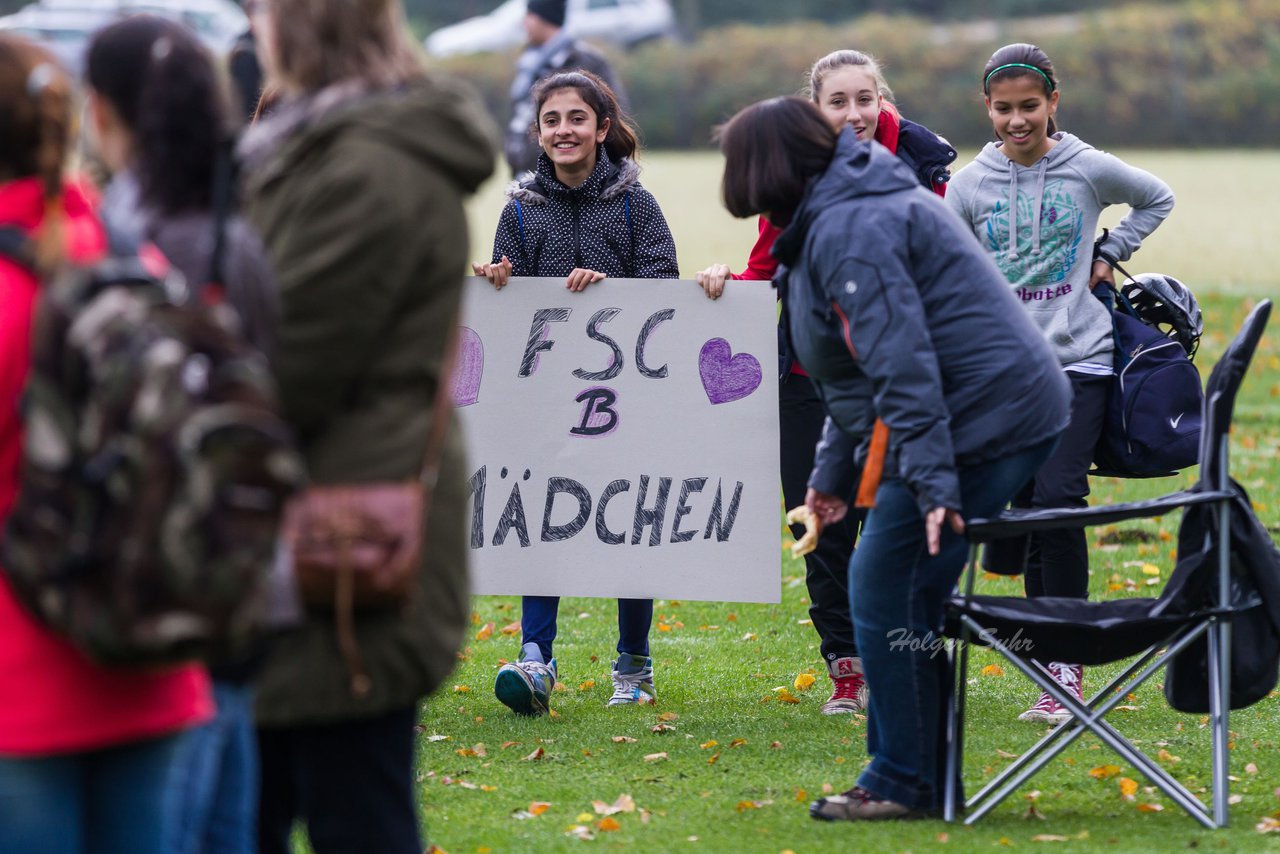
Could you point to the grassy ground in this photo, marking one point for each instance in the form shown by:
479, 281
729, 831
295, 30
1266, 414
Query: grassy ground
724, 763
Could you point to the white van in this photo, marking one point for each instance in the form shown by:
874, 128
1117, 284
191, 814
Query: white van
625, 22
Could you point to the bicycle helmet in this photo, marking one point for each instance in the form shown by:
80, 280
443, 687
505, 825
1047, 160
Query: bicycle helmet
1166, 304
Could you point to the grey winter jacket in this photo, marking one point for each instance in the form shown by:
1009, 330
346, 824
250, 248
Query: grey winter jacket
897, 313
1053, 209
609, 224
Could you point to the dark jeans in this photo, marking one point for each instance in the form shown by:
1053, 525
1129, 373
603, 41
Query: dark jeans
109, 801
826, 568
898, 595
1058, 561
217, 780
350, 782
538, 624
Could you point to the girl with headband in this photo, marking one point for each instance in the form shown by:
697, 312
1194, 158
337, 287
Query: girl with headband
1033, 198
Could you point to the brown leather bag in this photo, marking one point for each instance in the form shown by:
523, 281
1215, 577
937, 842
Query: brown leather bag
358, 546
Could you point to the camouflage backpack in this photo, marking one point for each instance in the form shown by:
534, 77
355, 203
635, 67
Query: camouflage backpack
155, 470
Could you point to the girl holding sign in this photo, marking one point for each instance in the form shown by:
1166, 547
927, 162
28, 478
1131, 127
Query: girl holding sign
850, 90
581, 215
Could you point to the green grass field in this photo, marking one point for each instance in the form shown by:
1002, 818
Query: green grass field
722, 764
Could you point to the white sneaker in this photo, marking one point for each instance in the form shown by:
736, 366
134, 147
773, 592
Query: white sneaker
633, 681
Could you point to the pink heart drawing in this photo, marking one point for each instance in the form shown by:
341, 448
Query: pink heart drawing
469, 367
726, 377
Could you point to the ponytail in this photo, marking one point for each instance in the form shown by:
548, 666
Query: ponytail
621, 141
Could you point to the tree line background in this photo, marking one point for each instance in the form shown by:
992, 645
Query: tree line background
1186, 73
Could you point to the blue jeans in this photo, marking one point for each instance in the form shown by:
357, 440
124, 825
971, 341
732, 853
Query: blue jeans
538, 624
113, 801
216, 779
897, 593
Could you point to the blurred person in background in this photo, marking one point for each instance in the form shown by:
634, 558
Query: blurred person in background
356, 179
159, 118
86, 753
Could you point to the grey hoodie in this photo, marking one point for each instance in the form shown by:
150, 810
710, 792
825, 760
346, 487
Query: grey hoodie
1053, 209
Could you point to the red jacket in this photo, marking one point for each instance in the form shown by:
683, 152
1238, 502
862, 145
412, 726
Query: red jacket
53, 699
761, 265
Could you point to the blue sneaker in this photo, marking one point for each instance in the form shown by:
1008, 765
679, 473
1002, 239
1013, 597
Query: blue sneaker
525, 686
633, 680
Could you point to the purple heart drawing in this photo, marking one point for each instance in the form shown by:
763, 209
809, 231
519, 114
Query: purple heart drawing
727, 377
469, 367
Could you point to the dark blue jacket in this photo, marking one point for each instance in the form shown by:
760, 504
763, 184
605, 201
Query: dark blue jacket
609, 224
897, 313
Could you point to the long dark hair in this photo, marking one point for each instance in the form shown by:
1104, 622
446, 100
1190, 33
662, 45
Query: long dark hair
621, 140
1021, 60
771, 151
164, 86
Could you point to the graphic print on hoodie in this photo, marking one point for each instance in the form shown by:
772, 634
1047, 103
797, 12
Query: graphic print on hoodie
1050, 231
1037, 224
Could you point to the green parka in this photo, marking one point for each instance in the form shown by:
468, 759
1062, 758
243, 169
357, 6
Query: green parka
358, 197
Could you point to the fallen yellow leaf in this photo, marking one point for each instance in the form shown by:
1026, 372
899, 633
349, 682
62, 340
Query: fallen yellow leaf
539, 807
607, 825
1102, 772
1150, 569
668, 716
785, 696
486, 632
993, 670
1128, 787
655, 757
804, 682
743, 806
511, 628
737, 742
538, 753
801, 795
707, 745
1050, 837
713, 759
587, 686
1150, 808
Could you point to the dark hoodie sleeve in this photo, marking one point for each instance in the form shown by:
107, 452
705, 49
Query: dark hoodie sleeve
655, 250
506, 241
835, 466
884, 325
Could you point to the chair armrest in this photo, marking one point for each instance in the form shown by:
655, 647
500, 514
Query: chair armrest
1014, 522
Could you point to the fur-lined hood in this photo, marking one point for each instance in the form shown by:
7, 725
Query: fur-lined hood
607, 181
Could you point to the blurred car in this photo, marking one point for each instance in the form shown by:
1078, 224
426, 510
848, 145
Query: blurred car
625, 22
64, 26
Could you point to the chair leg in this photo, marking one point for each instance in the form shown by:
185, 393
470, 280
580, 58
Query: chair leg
1219, 710
955, 728
1092, 720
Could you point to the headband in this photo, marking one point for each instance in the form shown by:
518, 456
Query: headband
986, 82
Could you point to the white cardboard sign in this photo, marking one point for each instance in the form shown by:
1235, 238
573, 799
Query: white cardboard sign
622, 441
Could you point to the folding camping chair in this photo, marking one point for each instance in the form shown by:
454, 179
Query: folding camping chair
1197, 601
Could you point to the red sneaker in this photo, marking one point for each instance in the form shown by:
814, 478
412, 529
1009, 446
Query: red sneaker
850, 688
